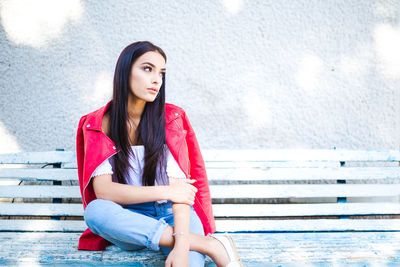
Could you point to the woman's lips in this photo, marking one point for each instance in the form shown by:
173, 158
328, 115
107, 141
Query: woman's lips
153, 90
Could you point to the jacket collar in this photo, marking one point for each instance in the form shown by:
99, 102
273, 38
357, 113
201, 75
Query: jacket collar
95, 121
171, 113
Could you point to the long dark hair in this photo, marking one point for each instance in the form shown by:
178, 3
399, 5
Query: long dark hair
151, 129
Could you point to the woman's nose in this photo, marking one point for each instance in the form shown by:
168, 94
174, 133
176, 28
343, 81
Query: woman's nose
157, 78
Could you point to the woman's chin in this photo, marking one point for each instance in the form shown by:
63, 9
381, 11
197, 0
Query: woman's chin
150, 99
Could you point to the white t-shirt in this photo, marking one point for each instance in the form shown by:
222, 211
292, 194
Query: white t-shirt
134, 176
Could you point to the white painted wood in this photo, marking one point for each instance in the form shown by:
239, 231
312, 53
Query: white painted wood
228, 225
38, 157
41, 209
222, 210
228, 155
345, 245
303, 191
271, 164
39, 174
232, 174
256, 250
277, 174
251, 191
330, 209
300, 155
70, 165
42, 225
231, 225
37, 191
55, 249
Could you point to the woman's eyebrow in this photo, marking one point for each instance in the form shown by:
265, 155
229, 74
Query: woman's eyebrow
151, 64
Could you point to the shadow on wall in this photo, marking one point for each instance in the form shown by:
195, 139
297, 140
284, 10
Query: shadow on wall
51, 64
33, 24
36, 23
284, 94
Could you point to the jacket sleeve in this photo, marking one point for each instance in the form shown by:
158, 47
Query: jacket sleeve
198, 172
80, 154
88, 240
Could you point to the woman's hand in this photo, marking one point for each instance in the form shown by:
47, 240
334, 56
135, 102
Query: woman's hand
178, 258
182, 190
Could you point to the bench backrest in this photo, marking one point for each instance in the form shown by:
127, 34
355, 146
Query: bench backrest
252, 190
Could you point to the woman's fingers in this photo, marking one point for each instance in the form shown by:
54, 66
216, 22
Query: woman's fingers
195, 189
185, 191
173, 180
192, 186
188, 181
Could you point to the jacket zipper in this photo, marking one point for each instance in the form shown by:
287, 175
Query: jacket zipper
188, 159
188, 175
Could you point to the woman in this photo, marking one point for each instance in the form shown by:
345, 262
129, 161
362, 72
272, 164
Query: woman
135, 159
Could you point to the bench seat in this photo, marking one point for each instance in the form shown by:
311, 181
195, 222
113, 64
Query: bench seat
282, 207
257, 250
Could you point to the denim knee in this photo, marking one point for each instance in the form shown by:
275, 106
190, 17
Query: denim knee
94, 213
118, 225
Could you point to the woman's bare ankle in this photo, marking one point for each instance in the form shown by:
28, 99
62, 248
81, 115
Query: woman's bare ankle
218, 252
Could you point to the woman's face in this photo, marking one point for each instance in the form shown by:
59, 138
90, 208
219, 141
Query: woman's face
146, 76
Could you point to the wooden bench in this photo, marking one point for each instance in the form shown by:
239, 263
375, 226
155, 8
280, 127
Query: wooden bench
282, 207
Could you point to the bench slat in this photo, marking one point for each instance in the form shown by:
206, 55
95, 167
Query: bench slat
301, 155
263, 249
272, 174
228, 155
237, 174
41, 209
230, 225
319, 225
45, 157
254, 191
249, 191
222, 210
42, 225
280, 210
40, 191
39, 174
271, 164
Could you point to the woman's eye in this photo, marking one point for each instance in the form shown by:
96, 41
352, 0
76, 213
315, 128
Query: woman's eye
147, 69
162, 74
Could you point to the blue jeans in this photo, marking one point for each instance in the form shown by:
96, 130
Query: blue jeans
137, 226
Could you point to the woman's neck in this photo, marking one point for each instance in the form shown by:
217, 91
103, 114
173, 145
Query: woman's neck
135, 111
135, 108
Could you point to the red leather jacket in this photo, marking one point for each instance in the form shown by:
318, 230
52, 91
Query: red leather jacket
93, 147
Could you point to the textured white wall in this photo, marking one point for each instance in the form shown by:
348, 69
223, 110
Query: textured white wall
250, 74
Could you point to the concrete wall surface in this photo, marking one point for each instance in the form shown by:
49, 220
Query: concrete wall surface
250, 74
